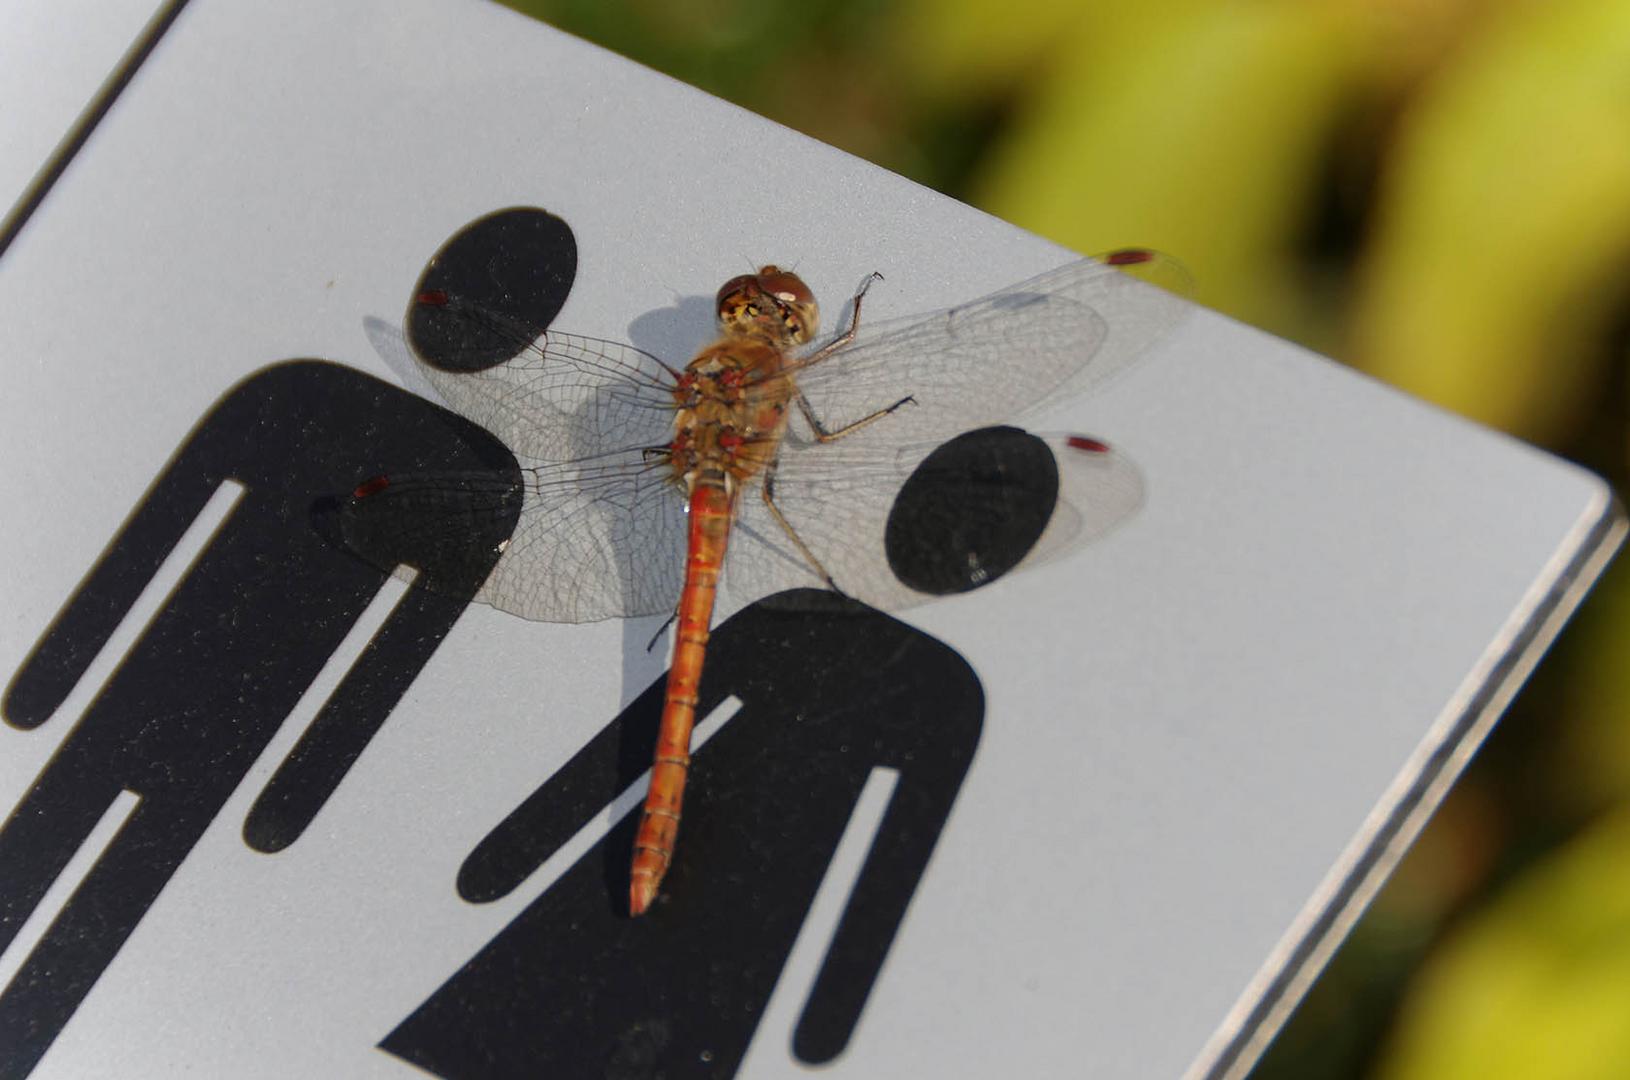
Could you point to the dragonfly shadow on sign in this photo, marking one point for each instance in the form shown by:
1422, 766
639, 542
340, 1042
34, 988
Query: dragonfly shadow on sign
675, 330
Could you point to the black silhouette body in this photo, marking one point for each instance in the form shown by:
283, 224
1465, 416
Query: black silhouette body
218, 669
831, 689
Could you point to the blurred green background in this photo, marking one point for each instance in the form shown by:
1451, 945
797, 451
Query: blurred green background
1434, 191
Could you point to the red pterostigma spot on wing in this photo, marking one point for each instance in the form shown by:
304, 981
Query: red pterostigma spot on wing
1128, 257
433, 298
1087, 444
372, 486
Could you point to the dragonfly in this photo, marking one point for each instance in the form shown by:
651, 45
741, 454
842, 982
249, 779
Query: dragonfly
636, 471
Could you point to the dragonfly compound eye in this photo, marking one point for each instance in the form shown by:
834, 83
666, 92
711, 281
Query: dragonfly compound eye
794, 302
735, 295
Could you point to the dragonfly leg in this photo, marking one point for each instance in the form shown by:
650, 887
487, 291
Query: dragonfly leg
656, 637
842, 339
823, 435
768, 491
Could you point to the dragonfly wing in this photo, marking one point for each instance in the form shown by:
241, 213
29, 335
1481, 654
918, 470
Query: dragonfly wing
1099, 489
566, 398
896, 527
559, 397
598, 535
597, 539
590, 540
993, 359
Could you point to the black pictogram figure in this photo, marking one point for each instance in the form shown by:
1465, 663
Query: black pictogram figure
219, 667
831, 689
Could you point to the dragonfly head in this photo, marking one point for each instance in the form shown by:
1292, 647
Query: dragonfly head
772, 302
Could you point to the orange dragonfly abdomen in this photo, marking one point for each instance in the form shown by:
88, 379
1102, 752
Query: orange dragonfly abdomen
710, 513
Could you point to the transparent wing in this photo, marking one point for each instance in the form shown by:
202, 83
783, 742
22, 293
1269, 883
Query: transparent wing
992, 360
597, 539
601, 532
849, 514
559, 398
592, 540
983, 363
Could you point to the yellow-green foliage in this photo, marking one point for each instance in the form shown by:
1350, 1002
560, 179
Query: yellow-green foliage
1503, 231
1196, 128
1538, 983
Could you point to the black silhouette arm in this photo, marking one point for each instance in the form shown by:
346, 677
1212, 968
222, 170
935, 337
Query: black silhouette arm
552, 814
129, 562
894, 865
350, 717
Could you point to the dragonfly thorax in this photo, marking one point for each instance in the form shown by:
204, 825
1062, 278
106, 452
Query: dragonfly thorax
732, 411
